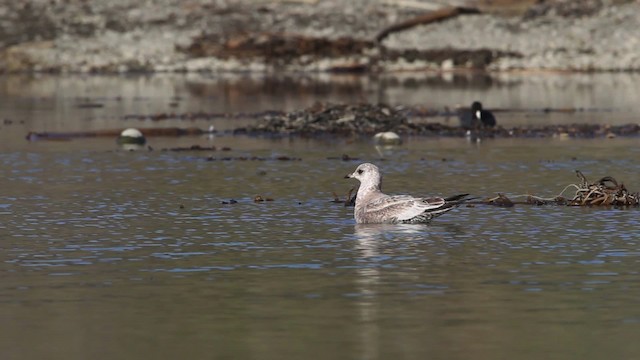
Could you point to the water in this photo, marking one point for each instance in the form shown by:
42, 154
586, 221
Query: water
114, 254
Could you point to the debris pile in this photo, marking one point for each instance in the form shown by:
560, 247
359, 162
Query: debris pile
369, 119
344, 120
606, 191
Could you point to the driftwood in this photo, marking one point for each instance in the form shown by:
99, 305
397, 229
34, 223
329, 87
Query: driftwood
604, 192
171, 131
416, 4
428, 18
501, 200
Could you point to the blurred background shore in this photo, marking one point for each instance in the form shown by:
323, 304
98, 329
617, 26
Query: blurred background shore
122, 36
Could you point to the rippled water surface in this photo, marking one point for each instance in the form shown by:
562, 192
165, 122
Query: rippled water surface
107, 253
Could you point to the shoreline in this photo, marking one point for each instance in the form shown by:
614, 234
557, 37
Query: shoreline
311, 36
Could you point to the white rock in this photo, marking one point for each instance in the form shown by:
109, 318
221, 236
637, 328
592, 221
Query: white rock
447, 64
131, 132
131, 136
387, 138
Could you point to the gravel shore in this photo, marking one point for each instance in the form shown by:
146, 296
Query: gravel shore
241, 35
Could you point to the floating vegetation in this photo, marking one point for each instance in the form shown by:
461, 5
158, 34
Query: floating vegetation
605, 192
500, 200
254, 158
193, 148
344, 157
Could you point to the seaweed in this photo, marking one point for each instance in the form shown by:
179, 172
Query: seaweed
606, 191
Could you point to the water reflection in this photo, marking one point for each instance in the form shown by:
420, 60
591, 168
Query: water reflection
132, 147
368, 237
383, 248
385, 151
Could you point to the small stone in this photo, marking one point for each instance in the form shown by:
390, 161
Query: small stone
387, 138
447, 65
131, 136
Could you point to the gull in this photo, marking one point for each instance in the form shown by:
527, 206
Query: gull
373, 206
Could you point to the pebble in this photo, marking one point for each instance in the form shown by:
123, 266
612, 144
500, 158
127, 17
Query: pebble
131, 136
387, 138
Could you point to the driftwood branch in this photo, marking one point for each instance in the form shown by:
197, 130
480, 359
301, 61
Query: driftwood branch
604, 192
428, 18
416, 4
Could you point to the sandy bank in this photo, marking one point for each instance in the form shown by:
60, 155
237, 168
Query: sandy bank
308, 35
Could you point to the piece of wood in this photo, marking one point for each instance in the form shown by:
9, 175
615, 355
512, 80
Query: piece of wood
172, 131
412, 4
428, 18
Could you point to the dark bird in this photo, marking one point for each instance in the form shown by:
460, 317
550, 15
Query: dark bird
476, 117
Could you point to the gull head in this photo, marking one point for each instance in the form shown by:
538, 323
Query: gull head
367, 173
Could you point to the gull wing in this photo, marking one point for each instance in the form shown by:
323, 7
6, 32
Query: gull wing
400, 208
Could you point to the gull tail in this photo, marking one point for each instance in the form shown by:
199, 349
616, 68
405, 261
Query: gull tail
451, 203
446, 205
457, 200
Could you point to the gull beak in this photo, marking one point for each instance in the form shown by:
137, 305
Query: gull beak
348, 176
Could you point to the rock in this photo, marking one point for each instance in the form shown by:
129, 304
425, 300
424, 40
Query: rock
387, 138
131, 136
447, 65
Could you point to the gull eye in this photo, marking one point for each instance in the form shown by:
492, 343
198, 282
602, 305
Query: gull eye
360, 171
